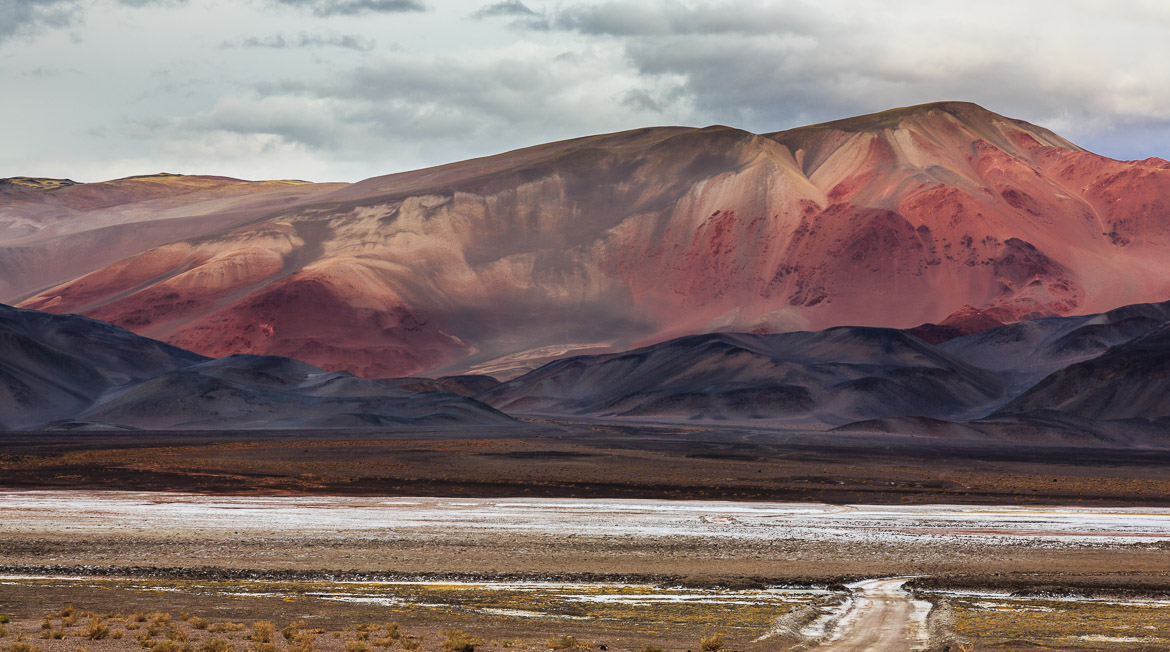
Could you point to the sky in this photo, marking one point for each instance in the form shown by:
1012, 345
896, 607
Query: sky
342, 90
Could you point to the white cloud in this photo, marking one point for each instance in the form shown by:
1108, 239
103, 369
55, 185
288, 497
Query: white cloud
319, 83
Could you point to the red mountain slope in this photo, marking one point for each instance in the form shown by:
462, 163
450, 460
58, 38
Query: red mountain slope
607, 242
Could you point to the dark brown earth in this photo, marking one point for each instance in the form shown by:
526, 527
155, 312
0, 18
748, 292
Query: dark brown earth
563, 459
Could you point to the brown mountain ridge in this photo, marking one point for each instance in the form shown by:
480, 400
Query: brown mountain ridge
597, 244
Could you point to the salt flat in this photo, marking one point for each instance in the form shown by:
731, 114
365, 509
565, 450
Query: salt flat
31, 512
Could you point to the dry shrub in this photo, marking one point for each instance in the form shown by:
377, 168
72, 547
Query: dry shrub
219, 628
263, 631
291, 630
198, 623
458, 641
117, 634
22, 646
564, 642
356, 646
177, 634
59, 634
303, 641
3, 631
651, 648
66, 611
96, 630
216, 645
411, 645
139, 617
263, 647
393, 631
712, 643
167, 646
46, 624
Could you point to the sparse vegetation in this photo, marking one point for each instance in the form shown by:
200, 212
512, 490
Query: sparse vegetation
712, 643
411, 645
651, 648
263, 631
96, 630
564, 643
356, 646
458, 641
216, 645
219, 628
22, 646
198, 623
292, 629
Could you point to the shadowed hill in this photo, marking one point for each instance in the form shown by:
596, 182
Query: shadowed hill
66, 368
833, 376
1128, 381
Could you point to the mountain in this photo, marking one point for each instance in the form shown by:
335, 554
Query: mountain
54, 230
66, 368
54, 366
1128, 381
605, 243
1027, 351
834, 376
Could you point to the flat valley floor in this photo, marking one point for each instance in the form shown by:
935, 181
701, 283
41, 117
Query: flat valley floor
967, 545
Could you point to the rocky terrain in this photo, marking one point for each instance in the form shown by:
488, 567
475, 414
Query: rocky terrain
942, 214
66, 371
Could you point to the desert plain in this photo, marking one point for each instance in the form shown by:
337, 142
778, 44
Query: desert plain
573, 534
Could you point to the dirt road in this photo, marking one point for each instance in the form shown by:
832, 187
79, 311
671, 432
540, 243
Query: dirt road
879, 616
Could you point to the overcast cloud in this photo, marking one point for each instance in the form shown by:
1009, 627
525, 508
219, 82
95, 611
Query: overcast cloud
348, 89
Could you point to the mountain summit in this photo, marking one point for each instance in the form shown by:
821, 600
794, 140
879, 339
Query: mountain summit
602, 243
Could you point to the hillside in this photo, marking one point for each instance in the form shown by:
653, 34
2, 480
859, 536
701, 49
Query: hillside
605, 243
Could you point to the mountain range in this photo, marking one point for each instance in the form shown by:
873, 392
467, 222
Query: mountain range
923, 269
1102, 377
945, 216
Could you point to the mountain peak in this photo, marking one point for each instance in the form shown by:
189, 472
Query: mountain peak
950, 121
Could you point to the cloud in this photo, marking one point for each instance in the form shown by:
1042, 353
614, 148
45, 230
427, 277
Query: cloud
29, 17
412, 110
303, 40
355, 7
767, 65
673, 18
504, 8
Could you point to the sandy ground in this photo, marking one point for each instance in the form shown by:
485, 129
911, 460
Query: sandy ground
699, 542
879, 616
681, 569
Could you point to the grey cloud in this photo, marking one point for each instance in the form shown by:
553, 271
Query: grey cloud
355, 7
151, 3
280, 42
768, 65
28, 17
504, 8
661, 19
